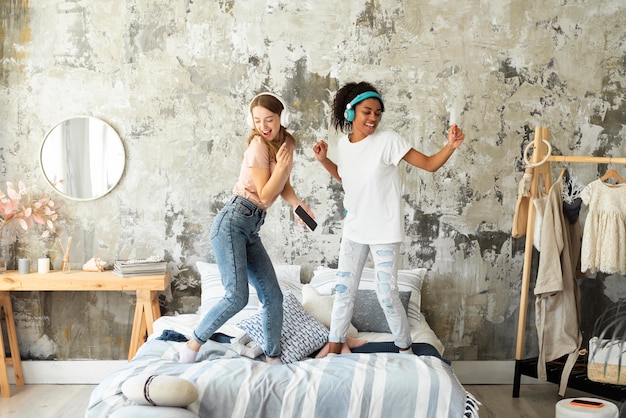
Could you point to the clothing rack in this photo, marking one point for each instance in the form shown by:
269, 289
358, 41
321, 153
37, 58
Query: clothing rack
540, 164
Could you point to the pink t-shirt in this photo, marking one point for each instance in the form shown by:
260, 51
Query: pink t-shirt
257, 155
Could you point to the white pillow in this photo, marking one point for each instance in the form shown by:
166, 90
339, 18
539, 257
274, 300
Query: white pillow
301, 334
213, 291
161, 390
324, 281
320, 307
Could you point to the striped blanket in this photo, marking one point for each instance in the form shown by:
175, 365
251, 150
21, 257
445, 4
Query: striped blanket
353, 385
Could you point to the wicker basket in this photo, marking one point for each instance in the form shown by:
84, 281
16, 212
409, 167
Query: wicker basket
604, 361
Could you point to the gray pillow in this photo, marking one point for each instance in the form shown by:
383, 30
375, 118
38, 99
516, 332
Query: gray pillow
368, 316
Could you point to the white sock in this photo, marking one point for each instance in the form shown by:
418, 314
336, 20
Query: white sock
186, 354
407, 351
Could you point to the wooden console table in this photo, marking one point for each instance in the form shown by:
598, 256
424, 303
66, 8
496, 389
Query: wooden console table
146, 310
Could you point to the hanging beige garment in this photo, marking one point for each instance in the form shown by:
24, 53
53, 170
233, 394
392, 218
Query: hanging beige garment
520, 216
557, 294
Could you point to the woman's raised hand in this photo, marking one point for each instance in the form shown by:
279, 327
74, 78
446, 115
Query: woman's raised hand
284, 155
319, 149
455, 136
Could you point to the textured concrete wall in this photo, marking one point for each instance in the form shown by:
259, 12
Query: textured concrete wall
174, 79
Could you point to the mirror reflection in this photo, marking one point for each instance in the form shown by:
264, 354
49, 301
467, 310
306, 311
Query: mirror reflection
82, 158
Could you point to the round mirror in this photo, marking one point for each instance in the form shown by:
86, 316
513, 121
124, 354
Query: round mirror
82, 158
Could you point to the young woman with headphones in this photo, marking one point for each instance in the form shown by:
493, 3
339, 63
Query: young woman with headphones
367, 167
240, 254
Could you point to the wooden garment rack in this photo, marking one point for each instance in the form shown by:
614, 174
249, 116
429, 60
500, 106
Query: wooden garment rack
541, 176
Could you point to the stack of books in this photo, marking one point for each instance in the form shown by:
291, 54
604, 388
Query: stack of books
137, 267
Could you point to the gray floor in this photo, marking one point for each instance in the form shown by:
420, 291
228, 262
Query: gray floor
46, 401
535, 401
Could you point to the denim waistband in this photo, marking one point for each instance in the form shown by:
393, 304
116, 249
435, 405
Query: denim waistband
243, 201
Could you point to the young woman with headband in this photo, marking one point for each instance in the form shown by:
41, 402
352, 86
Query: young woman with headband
368, 169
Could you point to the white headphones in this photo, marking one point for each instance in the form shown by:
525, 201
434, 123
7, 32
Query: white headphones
285, 115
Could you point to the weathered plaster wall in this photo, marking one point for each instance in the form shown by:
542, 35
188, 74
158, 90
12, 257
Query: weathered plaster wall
174, 79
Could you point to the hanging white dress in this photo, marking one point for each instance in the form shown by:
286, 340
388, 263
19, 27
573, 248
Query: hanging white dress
604, 235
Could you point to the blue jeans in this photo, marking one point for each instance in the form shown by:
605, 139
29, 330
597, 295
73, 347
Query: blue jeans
352, 258
242, 258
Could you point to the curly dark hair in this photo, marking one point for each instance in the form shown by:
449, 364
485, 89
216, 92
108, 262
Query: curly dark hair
344, 96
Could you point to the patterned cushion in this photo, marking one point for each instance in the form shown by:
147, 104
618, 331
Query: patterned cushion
302, 334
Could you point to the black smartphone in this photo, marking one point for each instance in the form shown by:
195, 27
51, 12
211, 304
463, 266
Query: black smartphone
584, 402
306, 218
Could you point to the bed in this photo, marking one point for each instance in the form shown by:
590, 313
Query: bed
231, 380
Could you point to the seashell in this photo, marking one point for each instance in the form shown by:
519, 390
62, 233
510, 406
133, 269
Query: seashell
94, 264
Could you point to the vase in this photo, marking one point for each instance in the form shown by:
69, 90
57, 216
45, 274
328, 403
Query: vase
4, 257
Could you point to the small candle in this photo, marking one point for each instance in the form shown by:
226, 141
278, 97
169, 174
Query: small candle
23, 265
43, 265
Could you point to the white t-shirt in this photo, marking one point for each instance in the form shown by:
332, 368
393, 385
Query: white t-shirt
372, 187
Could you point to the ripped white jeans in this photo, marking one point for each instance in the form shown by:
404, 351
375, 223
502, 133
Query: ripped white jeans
352, 258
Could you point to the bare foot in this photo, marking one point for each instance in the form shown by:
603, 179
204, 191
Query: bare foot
340, 348
408, 350
273, 360
354, 343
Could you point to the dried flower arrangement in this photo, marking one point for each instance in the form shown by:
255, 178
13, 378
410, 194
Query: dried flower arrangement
18, 206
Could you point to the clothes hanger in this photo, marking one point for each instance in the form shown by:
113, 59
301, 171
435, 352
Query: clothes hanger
566, 179
612, 174
568, 185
